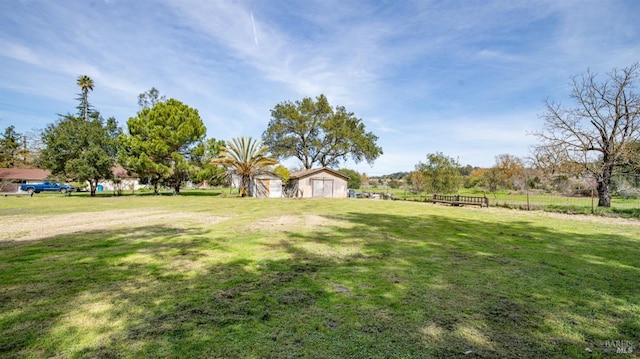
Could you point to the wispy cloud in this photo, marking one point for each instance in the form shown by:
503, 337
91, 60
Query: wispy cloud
255, 32
466, 79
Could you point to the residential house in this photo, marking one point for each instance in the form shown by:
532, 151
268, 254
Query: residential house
12, 178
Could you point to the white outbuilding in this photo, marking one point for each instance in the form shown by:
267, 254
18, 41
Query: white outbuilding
266, 186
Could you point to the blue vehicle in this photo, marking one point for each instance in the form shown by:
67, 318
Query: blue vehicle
46, 186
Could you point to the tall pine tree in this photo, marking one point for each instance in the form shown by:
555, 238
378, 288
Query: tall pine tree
161, 143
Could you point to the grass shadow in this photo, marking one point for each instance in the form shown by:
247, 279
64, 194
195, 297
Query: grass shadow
360, 285
492, 289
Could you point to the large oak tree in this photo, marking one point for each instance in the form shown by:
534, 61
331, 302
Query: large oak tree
315, 133
596, 131
81, 150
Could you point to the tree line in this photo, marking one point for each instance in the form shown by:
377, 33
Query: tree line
587, 141
581, 147
589, 146
165, 144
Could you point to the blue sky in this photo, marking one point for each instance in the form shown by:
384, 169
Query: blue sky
466, 78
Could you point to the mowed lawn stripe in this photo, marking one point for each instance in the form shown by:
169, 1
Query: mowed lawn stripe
231, 277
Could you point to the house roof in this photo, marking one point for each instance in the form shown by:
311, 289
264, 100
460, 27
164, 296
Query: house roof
312, 171
37, 174
267, 175
24, 173
119, 172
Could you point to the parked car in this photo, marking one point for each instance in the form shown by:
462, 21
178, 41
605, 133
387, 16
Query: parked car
46, 186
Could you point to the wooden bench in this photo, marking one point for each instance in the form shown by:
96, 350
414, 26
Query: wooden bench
458, 200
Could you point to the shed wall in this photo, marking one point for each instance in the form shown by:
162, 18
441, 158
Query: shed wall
266, 187
322, 185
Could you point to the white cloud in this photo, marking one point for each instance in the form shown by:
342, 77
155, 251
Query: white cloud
18, 52
425, 76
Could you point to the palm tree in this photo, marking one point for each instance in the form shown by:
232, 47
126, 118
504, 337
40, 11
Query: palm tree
86, 83
245, 157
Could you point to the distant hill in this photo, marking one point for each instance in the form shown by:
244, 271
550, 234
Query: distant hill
464, 170
396, 176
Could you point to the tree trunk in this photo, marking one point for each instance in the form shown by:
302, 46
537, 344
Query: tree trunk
245, 190
176, 188
93, 185
604, 187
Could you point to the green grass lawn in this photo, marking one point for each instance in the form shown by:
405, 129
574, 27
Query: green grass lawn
207, 277
620, 207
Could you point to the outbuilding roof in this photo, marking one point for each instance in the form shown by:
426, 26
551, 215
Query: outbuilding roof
312, 171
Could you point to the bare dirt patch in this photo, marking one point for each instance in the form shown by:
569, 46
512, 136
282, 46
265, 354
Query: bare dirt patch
283, 223
20, 228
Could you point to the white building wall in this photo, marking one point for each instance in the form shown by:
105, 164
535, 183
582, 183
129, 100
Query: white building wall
266, 187
126, 184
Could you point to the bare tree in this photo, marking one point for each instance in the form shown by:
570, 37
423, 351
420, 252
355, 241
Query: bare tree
549, 161
510, 170
150, 98
595, 133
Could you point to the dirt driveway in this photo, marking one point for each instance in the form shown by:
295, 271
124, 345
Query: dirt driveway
18, 228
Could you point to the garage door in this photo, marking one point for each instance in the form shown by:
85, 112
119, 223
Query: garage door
322, 188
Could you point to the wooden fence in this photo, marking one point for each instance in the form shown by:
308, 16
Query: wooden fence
458, 200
